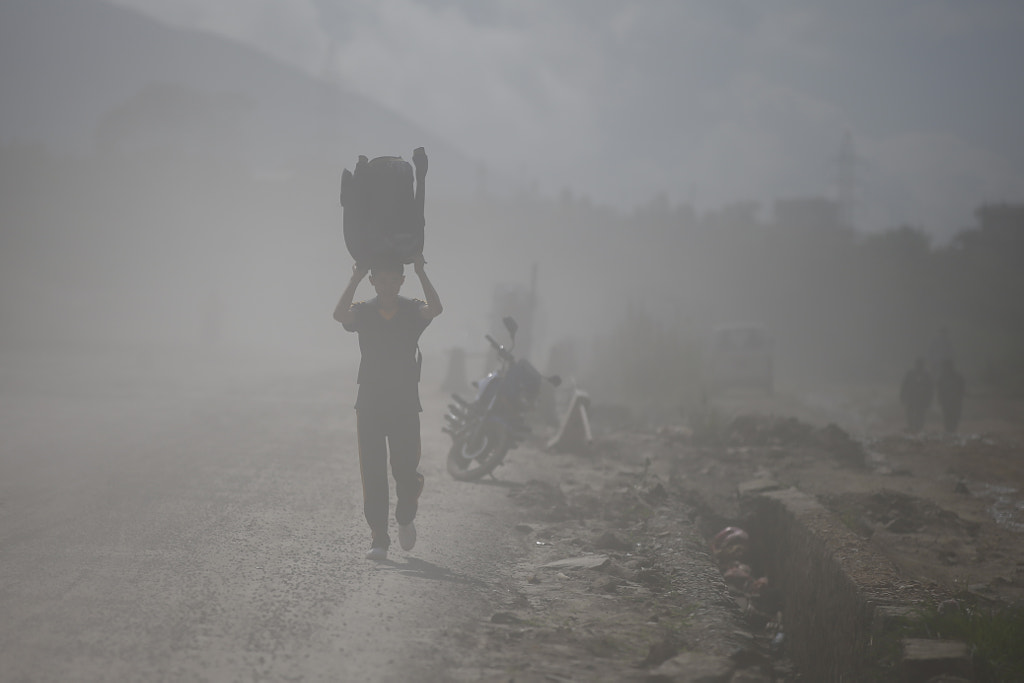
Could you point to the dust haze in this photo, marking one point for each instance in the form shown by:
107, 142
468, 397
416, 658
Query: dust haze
185, 205
180, 484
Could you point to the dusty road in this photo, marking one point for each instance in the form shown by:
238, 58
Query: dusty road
162, 529
172, 521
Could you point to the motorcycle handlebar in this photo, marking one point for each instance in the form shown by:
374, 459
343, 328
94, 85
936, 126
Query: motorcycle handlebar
502, 351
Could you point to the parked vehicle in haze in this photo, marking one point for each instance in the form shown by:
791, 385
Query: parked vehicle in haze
741, 355
485, 429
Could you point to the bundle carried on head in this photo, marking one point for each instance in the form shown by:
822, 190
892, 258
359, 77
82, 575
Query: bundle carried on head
383, 216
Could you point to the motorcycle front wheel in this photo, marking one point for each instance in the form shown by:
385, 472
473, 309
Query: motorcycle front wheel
470, 459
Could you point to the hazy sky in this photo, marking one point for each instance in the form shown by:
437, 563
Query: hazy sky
703, 100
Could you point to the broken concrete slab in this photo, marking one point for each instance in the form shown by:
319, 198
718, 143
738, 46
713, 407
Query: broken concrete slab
750, 676
505, 618
694, 667
824, 569
758, 486
583, 562
925, 658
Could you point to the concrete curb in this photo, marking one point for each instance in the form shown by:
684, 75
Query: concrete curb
838, 592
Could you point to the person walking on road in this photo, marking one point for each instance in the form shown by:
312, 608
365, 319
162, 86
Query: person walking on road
940, 349
916, 395
950, 389
387, 402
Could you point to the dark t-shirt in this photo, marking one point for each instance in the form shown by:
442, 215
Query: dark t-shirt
950, 387
389, 372
917, 388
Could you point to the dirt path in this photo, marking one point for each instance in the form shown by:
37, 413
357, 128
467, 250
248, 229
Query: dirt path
212, 530
199, 535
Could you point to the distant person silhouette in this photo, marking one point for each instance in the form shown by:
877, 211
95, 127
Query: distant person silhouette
916, 395
950, 388
940, 349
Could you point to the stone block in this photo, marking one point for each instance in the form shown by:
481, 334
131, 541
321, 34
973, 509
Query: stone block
924, 659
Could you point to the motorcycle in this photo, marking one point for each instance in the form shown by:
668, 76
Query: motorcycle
485, 429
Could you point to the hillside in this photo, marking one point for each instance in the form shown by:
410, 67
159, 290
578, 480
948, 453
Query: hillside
82, 74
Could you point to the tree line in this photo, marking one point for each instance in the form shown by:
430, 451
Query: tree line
841, 303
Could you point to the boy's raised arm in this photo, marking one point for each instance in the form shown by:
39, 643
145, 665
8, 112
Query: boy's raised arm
343, 311
433, 306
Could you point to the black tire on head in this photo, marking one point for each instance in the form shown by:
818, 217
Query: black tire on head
470, 461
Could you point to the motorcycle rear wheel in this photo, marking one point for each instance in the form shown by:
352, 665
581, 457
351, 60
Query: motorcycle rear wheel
471, 461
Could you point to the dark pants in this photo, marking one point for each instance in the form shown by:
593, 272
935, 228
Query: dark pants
381, 435
916, 413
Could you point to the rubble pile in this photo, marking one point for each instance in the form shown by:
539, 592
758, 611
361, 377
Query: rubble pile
770, 432
767, 430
